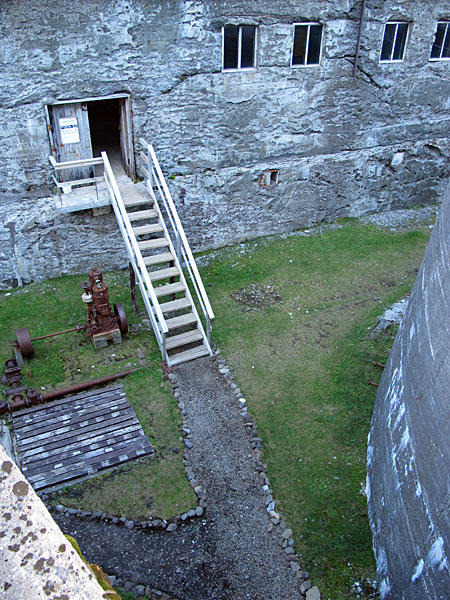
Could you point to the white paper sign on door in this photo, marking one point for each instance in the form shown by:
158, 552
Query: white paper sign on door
69, 130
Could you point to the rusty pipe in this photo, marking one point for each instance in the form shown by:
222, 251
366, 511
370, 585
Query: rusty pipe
377, 364
42, 337
84, 386
373, 383
18, 402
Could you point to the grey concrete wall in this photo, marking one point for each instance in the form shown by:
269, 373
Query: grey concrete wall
408, 457
331, 135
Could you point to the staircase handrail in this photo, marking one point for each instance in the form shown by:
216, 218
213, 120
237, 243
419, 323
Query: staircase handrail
133, 249
178, 228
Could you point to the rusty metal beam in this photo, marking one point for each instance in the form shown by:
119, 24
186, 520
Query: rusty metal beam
84, 386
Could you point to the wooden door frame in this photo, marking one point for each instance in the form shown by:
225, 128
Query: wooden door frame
124, 97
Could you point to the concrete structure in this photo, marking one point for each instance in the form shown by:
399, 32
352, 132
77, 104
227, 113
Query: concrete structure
408, 454
37, 560
249, 151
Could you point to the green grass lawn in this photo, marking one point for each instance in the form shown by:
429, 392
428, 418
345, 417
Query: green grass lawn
133, 490
303, 361
293, 319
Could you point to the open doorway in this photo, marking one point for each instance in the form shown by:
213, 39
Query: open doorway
84, 128
110, 126
104, 123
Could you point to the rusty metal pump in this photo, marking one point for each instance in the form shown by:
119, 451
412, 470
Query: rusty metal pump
102, 324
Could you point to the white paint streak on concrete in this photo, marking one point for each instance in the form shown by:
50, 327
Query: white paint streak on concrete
405, 439
369, 454
418, 489
436, 554
418, 570
367, 488
401, 412
385, 588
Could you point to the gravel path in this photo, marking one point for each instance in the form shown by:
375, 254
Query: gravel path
227, 554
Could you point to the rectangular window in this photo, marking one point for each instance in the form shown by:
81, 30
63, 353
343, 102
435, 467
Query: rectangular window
394, 42
440, 49
239, 47
307, 44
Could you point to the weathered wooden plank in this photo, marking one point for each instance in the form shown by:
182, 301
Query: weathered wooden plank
116, 448
57, 429
45, 416
75, 474
111, 459
81, 448
78, 436
100, 435
63, 478
65, 460
68, 399
63, 403
70, 429
72, 419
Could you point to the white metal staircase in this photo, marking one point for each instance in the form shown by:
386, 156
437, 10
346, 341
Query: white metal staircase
157, 248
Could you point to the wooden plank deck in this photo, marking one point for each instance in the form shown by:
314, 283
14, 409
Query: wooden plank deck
78, 436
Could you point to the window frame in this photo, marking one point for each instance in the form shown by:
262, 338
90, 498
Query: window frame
307, 24
408, 34
239, 51
434, 59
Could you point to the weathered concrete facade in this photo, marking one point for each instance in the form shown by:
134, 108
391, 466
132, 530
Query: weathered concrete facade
332, 136
408, 454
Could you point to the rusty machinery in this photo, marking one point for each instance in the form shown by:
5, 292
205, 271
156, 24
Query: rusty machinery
19, 396
101, 326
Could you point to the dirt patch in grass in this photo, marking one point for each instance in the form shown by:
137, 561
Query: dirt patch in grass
256, 297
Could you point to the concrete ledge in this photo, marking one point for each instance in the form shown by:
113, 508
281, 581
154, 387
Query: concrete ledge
38, 561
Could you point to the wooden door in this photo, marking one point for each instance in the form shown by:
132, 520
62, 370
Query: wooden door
71, 138
126, 147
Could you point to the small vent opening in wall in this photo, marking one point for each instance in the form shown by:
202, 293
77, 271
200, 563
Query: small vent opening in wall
269, 177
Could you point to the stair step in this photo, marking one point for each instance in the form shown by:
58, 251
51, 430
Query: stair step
169, 288
181, 321
155, 259
139, 215
157, 243
163, 273
154, 228
175, 305
188, 355
136, 201
183, 338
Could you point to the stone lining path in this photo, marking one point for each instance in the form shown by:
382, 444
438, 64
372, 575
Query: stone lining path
233, 551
